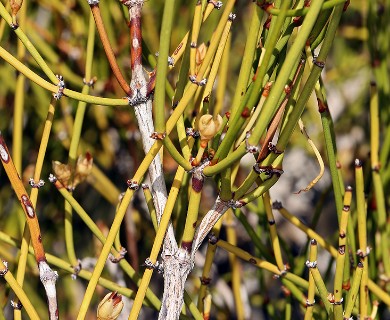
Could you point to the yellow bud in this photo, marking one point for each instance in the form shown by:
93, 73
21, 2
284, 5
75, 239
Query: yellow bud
208, 126
110, 307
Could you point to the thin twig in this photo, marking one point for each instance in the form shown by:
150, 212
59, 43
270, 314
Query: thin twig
48, 277
318, 156
107, 48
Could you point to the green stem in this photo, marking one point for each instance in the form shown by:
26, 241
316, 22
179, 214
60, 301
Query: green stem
255, 238
20, 293
151, 208
162, 64
271, 102
383, 226
84, 274
104, 254
29, 46
315, 273
304, 11
327, 125
192, 213
99, 235
340, 260
210, 253
170, 147
311, 290
353, 292
273, 233
53, 88
74, 144
247, 59
251, 97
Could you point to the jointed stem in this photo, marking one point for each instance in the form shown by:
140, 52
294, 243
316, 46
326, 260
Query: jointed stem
108, 49
48, 277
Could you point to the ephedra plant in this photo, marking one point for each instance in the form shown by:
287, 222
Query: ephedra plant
148, 127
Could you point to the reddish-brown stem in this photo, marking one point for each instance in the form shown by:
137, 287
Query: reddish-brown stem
108, 49
136, 37
278, 117
138, 84
25, 201
47, 276
151, 83
271, 131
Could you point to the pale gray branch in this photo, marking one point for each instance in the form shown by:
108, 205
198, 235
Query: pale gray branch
48, 278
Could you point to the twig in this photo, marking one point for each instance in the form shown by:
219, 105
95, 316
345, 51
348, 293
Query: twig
318, 156
143, 112
107, 46
48, 277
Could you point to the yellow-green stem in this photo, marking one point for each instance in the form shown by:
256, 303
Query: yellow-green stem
74, 144
362, 236
273, 233
165, 220
205, 278
235, 265
323, 292
311, 290
343, 250
22, 296
383, 225
192, 216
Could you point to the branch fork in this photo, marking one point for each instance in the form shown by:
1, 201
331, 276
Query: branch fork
61, 87
16, 305
319, 64
362, 254
121, 254
311, 264
91, 82
158, 135
217, 4
190, 132
268, 170
34, 184
159, 267
198, 176
4, 270
310, 304
132, 184
248, 147
77, 268
272, 148
282, 272
235, 204
137, 98
200, 83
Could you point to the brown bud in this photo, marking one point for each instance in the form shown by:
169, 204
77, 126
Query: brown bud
246, 113
15, 6
63, 172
